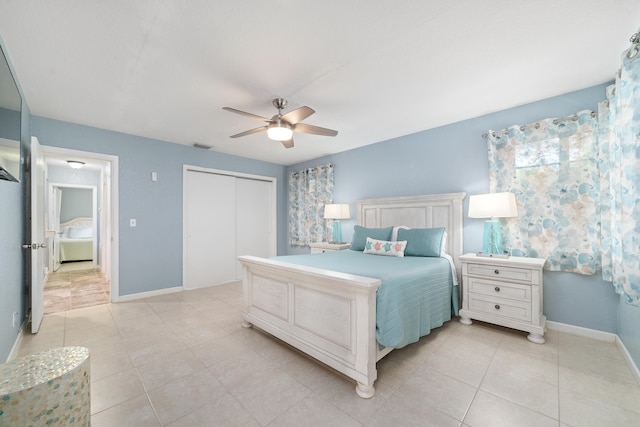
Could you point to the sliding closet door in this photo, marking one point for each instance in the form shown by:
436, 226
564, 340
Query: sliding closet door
253, 219
210, 248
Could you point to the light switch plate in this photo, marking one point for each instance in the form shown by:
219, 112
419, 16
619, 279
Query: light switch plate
132, 222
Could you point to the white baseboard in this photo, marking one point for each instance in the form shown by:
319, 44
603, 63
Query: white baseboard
632, 366
583, 332
14, 350
133, 297
600, 336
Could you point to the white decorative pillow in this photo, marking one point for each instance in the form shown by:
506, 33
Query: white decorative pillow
443, 248
383, 247
394, 233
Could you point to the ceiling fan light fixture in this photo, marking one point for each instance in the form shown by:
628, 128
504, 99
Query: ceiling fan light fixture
279, 131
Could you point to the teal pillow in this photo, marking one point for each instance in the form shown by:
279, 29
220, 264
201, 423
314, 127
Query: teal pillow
422, 241
360, 235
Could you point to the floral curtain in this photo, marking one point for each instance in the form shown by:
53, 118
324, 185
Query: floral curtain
619, 159
309, 191
577, 185
551, 167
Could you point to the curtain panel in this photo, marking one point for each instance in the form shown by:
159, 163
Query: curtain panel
309, 191
619, 162
577, 185
551, 167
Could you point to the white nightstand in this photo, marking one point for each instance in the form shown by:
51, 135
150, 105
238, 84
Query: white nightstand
504, 291
320, 247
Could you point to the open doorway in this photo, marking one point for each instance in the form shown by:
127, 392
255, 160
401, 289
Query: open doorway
81, 229
75, 278
72, 217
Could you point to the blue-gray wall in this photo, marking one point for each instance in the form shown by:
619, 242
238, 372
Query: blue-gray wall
11, 295
629, 328
454, 158
75, 203
12, 290
151, 253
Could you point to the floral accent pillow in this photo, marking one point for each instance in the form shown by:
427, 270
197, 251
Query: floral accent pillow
383, 247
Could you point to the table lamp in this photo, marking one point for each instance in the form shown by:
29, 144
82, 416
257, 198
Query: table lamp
492, 206
336, 212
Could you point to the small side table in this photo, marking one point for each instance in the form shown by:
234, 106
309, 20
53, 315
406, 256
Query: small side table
504, 291
50, 388
321, 247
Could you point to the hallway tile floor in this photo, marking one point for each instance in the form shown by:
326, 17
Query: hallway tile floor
75, 285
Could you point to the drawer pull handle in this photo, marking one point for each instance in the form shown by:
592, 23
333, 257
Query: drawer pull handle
497, 288
496, 271
497, 306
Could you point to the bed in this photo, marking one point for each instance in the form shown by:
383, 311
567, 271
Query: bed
76, 240
332, 315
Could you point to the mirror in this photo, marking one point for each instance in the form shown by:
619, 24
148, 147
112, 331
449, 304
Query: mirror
10, 108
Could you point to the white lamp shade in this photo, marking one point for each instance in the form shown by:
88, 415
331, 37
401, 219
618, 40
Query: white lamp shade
494, 205
336, 211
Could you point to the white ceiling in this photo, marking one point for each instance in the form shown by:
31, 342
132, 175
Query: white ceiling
373, 70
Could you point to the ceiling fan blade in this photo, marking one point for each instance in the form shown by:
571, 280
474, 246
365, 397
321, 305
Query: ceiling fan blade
244, 113
314, 130
249, 132
298, 115
288, 143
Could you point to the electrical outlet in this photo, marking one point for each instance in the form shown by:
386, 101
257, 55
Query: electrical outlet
16, 319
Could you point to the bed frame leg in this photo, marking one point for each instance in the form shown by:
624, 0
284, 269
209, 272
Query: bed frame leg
246, 325
365, 391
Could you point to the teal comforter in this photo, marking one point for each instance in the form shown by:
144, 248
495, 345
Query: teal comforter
416, 295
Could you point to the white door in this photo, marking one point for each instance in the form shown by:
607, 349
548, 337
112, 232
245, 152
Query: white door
210, 246
37, 235
105, 225
253, 220
55, 199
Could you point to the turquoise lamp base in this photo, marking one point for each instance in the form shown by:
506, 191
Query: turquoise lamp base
492, 238
337, 232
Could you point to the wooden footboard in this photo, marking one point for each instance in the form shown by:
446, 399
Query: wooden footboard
332, 316
328, 315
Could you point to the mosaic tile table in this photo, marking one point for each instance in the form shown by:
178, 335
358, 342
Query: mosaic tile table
50, 388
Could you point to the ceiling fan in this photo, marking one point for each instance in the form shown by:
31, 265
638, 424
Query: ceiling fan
280, 127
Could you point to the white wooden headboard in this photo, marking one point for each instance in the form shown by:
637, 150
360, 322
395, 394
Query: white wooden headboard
428, 211
78, 222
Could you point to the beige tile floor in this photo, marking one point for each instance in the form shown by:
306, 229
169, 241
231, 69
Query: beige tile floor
183, 360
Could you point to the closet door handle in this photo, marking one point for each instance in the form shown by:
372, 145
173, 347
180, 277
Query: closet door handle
497, 306
496, 271
497, 288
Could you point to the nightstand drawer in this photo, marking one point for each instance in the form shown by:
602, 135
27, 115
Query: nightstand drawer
320, 250
500, 307
499, 272
499, 289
